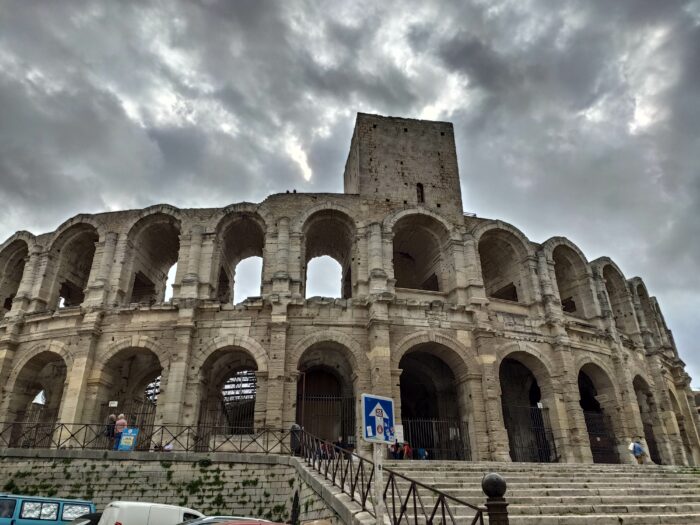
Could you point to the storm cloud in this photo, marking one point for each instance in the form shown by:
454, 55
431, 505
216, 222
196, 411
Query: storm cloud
580, 118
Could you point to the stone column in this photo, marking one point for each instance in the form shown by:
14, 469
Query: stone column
670, 443
498, 446
173, 383
190, 283
73, 409
8, 348
98, 290
280, 280
20, 303
396, 393
276, 375
260, 399
375, 253
41, 287
475, 284
471, 410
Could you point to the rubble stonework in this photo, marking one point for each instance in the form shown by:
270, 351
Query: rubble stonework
520, 350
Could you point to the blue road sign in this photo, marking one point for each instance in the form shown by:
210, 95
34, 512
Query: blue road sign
377, 419
128, 439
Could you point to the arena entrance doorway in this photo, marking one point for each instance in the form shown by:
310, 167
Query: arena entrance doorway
430, 407
526, 420
598, 423
325, 405
647, 409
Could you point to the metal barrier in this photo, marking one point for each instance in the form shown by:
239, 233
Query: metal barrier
407, 501
152, 438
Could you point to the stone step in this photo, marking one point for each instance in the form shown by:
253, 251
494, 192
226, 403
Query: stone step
475, 494
614, 508
608, 519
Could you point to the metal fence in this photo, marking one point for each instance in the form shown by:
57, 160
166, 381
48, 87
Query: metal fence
530, 434
601, 437
440, 438
151, 438
405, 500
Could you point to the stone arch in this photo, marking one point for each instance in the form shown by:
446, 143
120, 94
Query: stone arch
390, 221
572, 276
240, 234
59, 236
421, 258
56, 347
135, 341
21, 235
13, 255
328, 385
247, 344
297, 226
330, 232
154, 246
645, 315
528, 395
156, 209
434, 397
503, 253
648, 412
72, 265
460, 357
685, 424
620, 300
600, 403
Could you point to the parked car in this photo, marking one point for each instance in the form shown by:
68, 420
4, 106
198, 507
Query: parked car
138, 513
16, 509
206, 520
87, 519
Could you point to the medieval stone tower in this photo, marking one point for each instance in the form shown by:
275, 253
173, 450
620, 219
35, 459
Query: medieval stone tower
494, 347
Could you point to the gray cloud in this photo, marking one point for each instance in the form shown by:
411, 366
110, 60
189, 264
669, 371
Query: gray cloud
581, 120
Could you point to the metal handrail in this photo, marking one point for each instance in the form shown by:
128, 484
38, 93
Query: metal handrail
354, 476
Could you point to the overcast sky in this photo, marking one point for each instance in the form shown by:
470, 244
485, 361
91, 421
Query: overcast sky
582, 121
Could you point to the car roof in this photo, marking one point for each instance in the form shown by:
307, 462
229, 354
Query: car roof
148, 504
43, 498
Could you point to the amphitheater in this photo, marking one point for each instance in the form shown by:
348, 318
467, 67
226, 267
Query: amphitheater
494, 347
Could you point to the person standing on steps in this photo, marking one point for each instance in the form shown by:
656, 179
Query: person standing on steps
637, 450
119, 427
109, 430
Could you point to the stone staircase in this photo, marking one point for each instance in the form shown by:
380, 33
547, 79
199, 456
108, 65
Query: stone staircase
569, 494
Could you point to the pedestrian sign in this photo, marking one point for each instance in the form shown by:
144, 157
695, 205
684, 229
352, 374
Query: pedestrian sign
377, 419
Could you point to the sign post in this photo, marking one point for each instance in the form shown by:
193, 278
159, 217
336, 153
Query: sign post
378, 429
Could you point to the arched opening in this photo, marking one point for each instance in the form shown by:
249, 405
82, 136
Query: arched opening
129, 384
35, 400
241, 241
419, 262
170, 282
326, 394
572, 281
647, 411
648, 312
430, 404
330, 233
12, 262
156, 245
525, 417
597, 400
73, 252
324, 276
620, 302
682, 430
228, 391
502, 267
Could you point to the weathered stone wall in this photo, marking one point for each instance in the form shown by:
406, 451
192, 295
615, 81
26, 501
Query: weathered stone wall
479, 291
229, 484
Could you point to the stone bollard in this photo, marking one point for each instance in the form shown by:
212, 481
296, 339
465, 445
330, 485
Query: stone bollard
494, 486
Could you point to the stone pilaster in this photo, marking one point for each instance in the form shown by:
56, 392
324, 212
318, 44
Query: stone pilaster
99, 288
276, 390
189, 288
375, 249
22, 300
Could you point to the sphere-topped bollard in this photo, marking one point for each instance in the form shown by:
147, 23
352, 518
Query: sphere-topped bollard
494, 486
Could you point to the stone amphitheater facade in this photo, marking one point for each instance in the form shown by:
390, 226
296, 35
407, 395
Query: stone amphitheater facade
494, 347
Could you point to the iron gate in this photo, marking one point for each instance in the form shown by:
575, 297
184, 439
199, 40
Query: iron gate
530, 434
601, 437
139, 413
651, 443
327, 417
35, 429
441, 438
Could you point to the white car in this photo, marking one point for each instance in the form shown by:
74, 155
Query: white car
136, 513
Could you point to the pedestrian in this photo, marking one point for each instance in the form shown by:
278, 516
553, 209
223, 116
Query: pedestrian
407, 451
109, 430
396, 450
119, 427
422, 453
637, 450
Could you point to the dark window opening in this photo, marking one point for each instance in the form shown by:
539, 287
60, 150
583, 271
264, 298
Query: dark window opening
568, 305
431, 284
509, 292
224, 287
7, 305
144, 291
420, 193
70, 295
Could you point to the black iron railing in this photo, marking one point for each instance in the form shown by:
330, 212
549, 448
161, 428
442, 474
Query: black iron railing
406, 501
151, 438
